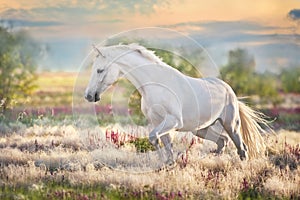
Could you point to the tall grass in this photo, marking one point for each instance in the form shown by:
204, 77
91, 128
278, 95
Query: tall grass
48, 161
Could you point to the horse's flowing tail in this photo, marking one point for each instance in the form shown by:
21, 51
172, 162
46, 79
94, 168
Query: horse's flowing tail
251, 130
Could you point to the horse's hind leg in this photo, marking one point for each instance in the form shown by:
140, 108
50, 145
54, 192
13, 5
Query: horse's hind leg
232, 125
210, 134
238, 142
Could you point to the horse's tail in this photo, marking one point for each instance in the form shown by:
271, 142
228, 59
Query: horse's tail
251, 130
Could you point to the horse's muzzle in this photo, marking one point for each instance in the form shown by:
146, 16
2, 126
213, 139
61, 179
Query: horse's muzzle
92, 98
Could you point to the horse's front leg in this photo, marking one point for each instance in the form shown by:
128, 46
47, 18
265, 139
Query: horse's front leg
160, 132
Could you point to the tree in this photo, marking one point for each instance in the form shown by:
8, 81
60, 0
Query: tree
290, 80
17, 67
240, 74
239, 71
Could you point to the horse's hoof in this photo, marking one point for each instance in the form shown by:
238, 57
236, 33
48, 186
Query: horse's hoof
217, 152
243, 155
167, 166
170, 164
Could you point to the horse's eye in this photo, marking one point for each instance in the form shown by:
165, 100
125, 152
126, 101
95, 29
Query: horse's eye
99, 71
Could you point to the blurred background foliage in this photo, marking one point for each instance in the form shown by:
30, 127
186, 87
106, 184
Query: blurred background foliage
241, 75
290, 80
17, 67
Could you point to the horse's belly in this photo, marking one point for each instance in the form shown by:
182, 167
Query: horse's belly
200, 119
204, 106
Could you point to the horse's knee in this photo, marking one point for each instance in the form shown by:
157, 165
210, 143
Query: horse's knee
153, 139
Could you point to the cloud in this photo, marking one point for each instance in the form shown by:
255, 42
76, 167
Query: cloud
221, 27
109, 21
28, 23
216, 32
82, 11
294, 14
140, 6
240, 26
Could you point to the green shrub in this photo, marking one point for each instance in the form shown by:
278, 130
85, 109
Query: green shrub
143, 145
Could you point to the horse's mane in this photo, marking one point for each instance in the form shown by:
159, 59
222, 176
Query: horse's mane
146, 53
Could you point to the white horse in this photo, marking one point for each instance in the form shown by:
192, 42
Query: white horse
172, 100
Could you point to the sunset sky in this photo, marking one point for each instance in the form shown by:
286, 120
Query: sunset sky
269, 29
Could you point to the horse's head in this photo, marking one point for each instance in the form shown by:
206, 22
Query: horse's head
104, 74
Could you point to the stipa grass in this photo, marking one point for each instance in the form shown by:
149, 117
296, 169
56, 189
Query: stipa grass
51, 162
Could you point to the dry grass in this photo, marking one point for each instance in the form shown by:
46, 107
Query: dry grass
42, 153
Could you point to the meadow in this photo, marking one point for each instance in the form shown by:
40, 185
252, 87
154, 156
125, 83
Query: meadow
44, 155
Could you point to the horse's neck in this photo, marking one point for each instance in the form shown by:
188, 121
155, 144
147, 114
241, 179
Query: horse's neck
141, 71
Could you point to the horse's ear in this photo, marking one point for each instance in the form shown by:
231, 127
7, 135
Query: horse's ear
97, 51
137, 47
139, 51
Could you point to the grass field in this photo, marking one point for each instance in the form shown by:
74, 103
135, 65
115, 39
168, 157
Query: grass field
54, 89
43, 155
52, 162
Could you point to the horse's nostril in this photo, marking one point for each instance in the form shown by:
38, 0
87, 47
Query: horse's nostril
97, 97
89, 97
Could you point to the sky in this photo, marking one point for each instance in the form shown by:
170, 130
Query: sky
66, 29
